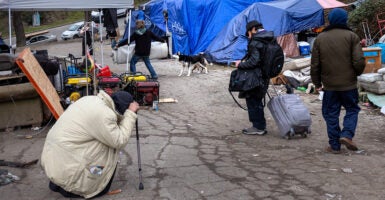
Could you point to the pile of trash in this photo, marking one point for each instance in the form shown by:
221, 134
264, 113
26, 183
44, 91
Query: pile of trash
6, 177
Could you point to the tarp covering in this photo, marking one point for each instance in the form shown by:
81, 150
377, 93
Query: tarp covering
194, 23
282, 17
64, 5
159, 31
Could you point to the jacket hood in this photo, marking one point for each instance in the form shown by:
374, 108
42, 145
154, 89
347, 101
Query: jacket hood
338, 16
266, 36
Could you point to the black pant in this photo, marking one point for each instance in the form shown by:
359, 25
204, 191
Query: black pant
87, 39
66, 194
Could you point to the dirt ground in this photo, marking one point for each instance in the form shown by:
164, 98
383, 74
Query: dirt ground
193, 149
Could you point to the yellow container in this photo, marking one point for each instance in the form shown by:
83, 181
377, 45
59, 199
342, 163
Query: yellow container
79, 81
137, 78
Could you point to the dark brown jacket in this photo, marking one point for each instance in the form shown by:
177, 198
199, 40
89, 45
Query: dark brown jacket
337, 59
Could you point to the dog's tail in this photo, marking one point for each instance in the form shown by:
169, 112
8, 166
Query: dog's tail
175, 56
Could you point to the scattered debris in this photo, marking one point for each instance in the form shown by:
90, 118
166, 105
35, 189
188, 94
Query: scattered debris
347, 170
112, 192
360, 151
296, 188
168, 100
28, 137
6, 177
36, 128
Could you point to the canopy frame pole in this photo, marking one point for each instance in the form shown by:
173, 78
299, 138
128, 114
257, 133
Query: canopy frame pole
128, 39
10, 28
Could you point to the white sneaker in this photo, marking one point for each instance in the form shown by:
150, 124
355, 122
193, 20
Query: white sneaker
253, 131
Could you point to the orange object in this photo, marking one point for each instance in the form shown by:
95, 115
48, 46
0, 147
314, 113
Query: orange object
105, 71
112, 192
372, 60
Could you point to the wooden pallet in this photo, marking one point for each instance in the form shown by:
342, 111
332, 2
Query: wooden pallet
40, 81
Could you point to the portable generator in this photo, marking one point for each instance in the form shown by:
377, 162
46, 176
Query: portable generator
144, 92
76, 87
78, 83
109, 84
108, 81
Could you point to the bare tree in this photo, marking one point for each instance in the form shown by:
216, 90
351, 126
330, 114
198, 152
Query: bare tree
18, 28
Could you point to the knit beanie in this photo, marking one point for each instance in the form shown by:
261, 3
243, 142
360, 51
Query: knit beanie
338, 16
122, 100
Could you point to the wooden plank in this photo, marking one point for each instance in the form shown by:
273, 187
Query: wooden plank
28, 35
168, 100
40, 81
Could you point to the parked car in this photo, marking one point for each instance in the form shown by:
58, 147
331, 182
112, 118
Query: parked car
95, 15
73, 31
41, 39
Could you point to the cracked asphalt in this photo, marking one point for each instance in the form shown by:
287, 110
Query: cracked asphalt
193, 149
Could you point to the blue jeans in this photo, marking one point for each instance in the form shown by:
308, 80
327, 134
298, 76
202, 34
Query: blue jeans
331, 108
256, 114
135, 58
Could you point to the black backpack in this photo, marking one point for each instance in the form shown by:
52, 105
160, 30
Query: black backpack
273, 58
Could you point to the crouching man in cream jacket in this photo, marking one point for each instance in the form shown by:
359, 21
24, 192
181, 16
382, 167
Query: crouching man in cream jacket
81, 150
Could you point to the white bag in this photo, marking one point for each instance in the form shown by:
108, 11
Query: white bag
370, 77
158, 50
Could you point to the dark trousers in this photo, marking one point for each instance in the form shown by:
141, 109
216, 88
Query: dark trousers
135, 58
331, 108
66, 194
256, 114
87, 40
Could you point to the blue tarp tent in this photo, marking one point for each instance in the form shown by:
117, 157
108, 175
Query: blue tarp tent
194, 23
282, 17
156, 29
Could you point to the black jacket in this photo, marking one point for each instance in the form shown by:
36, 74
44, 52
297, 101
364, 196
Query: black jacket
255, 48
142, 42
253, 59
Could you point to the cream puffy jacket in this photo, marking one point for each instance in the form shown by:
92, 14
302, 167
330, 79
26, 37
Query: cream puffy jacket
86, 138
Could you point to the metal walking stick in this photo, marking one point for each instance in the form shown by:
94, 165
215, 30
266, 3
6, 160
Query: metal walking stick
141, 187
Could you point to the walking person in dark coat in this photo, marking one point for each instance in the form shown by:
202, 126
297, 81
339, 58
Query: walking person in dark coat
253, 59
336, 61
142, 38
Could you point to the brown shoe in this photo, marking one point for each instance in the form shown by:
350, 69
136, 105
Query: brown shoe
348, 143
332, 151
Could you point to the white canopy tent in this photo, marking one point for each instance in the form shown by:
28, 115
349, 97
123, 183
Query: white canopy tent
64, 5
50, 5
40, 5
